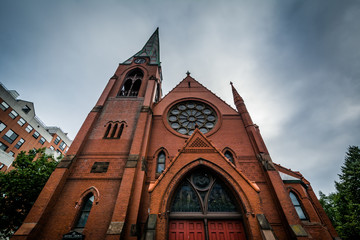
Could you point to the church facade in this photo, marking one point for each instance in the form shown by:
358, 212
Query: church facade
183, 166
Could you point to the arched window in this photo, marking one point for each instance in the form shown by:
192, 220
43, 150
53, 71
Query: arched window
295, 201
160, 166
107, 131
132, 83
120, 130
203, 193
229, 156
114, 130
84, 212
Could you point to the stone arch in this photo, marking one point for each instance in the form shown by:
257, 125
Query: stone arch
92, 190
167, 194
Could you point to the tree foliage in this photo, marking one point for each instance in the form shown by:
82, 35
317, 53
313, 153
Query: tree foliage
20, 187
343, 206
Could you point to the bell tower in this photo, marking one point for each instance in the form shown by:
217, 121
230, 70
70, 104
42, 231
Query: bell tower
107, 156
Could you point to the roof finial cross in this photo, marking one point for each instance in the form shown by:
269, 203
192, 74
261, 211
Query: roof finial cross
188, 73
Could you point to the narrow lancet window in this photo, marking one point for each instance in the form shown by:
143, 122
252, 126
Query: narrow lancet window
114, 131
229, 156
107, 131
161, 162
295, 201
84, 213
120, 130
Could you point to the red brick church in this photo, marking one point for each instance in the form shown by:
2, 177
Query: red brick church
183, 166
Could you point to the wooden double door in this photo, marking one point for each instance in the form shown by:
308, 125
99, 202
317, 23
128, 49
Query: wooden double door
215, 230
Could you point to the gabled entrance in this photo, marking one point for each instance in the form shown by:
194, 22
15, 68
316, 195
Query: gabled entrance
203, 208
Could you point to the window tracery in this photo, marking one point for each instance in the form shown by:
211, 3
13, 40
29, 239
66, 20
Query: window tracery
132, 83
202, 192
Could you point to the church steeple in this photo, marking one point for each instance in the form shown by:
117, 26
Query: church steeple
151, 50
240, 106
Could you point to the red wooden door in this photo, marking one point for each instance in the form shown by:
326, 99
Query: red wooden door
226, 230
186, 230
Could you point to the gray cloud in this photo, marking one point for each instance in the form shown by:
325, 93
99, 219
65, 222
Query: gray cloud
295, 63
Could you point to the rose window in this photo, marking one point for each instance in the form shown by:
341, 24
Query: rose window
184, 117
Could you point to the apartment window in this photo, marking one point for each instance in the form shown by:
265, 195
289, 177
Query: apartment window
52, 148
13, 114
26, 109
4, 106
21, 122
29, 128
19, 143
2, 126
62, 145
11, 153
57, 140
58, 151
3, 146
42, 140
2, 166
36, 135
10, 136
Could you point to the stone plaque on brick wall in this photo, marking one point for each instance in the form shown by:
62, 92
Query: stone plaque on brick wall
100, 167
73, 235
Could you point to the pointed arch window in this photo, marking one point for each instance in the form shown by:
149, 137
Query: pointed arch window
132, 83
229, 156
84, 212
160, 166
295, 201
203, 194
114, 129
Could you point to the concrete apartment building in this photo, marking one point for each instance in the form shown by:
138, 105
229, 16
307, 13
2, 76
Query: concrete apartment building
22, 130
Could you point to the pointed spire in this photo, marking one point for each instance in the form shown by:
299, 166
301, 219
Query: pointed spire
240, 106
151, 50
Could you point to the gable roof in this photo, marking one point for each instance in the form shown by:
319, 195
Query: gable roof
198, 141
190, 82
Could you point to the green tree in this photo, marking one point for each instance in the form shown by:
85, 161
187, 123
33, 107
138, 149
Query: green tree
20, 187
343, 206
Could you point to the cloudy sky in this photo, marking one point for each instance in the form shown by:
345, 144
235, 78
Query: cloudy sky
296, 63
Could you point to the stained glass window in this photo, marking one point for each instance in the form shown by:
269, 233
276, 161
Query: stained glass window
219, 200
185, 116
200, 188
186, 200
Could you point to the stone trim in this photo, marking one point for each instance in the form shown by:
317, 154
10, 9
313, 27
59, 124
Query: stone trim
115, 228
66, 161
132, 161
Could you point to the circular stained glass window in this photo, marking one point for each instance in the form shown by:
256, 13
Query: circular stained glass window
184, 117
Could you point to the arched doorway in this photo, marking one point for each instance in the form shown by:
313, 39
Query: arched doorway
203, 208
